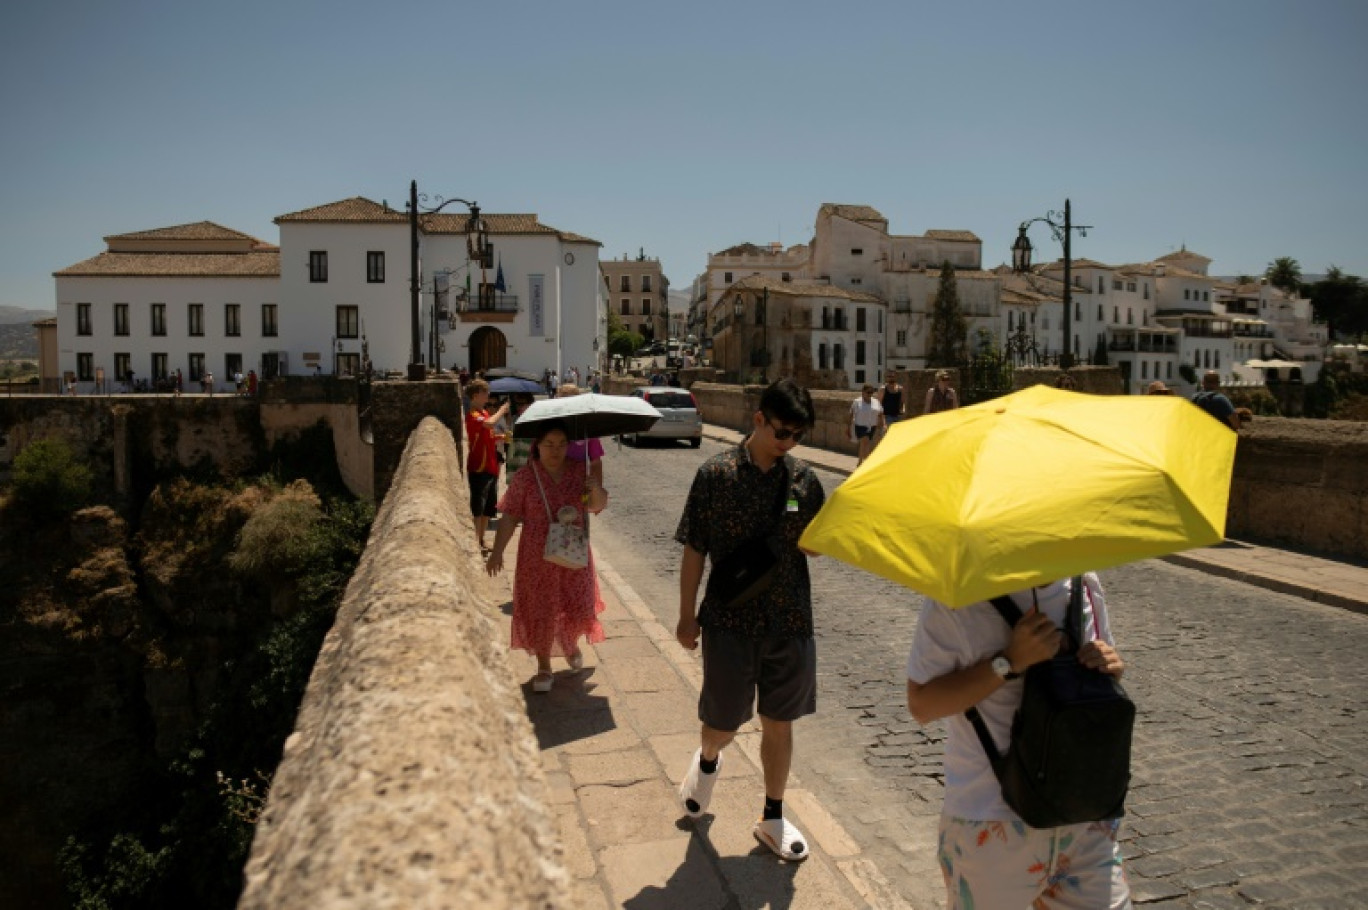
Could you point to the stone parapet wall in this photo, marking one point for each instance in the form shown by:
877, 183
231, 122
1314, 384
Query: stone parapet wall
1302, 484
413, 777
397, 408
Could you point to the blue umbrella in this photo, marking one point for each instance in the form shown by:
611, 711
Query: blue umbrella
516, 385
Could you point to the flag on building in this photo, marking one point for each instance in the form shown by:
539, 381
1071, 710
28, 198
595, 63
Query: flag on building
498, 279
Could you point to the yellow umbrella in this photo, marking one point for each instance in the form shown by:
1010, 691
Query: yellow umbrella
968, 504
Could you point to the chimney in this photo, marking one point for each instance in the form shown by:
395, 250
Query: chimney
776, 247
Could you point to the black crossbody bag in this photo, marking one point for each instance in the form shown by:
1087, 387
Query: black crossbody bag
1069, 757
750, 569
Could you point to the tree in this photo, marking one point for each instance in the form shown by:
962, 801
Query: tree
620, 340
1100, 354
49, 479
1284, 273
949, 328
1341, 301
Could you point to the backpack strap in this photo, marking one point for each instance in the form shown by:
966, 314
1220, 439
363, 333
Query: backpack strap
1011, 614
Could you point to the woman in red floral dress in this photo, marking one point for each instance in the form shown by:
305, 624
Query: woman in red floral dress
552, 605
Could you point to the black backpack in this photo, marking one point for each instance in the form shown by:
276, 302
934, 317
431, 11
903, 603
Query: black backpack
1069, 757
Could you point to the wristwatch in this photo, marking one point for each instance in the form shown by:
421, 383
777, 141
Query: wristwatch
1002, 666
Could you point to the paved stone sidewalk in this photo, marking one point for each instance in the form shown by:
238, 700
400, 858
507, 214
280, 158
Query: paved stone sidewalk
616, 739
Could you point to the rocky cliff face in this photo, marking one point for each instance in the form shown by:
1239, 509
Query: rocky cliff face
114, 649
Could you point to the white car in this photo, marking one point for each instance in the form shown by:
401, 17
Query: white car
679, 417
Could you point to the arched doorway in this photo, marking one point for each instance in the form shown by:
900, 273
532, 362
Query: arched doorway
488, 349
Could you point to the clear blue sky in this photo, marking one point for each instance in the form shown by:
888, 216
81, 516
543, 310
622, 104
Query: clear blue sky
1237, 127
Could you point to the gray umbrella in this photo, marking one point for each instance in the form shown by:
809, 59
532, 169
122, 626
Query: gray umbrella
588, 415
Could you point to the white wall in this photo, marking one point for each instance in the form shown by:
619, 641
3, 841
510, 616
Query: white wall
177, 293
308, 311
572, 317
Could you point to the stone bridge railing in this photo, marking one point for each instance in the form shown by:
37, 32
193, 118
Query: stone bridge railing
413, 777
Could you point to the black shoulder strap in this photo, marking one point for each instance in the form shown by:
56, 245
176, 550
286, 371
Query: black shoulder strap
1011, 614
1007, 609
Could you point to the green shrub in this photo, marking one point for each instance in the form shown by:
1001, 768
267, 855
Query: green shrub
48, 478
280, 539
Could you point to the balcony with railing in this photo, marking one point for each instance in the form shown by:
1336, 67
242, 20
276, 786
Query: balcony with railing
490, 306
1142, 341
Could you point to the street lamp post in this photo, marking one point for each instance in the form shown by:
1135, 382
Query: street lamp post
480, 249
1062, 227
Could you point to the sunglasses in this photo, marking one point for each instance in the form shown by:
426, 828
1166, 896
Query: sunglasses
783, 434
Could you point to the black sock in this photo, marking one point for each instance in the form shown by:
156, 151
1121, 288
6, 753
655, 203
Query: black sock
774, 808
707, 767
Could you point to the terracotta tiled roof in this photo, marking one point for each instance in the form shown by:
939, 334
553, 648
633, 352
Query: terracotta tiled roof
200, 230
256, 264
1184, 253
1058, 265
44, 323
1018, 297
357, 210
952, 235
1173, 271
1030, 288
742, 249
801, 289
851, 212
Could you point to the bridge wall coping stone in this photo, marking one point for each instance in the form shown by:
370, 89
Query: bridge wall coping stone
413, 777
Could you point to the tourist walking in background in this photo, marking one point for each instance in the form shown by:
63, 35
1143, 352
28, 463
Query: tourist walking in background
971, 658
891, 399
519, 448
758, 647
866, 419
940, 397
1214, 403
553, 606
482, 462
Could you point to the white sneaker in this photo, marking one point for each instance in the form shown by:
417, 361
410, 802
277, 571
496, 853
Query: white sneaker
781, 837
696, 791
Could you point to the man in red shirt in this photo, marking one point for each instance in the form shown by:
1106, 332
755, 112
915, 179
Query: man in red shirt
482, 464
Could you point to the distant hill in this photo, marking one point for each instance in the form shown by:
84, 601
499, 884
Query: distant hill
18, 342
13, 315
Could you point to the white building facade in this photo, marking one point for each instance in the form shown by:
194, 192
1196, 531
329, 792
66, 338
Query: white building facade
332, 298
197, 298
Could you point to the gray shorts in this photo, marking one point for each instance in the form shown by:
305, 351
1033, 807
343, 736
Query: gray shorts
783, 671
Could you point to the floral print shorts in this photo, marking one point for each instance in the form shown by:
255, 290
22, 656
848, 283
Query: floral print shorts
1007, 865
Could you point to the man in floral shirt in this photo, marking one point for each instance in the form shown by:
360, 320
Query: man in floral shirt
761, 649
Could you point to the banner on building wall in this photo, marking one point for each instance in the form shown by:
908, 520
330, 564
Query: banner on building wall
535, 306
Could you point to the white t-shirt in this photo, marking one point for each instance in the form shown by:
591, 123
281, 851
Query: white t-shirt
866, 413
948, 640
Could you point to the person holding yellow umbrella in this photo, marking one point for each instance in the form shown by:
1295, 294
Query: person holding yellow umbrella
1032, 490
970, 658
